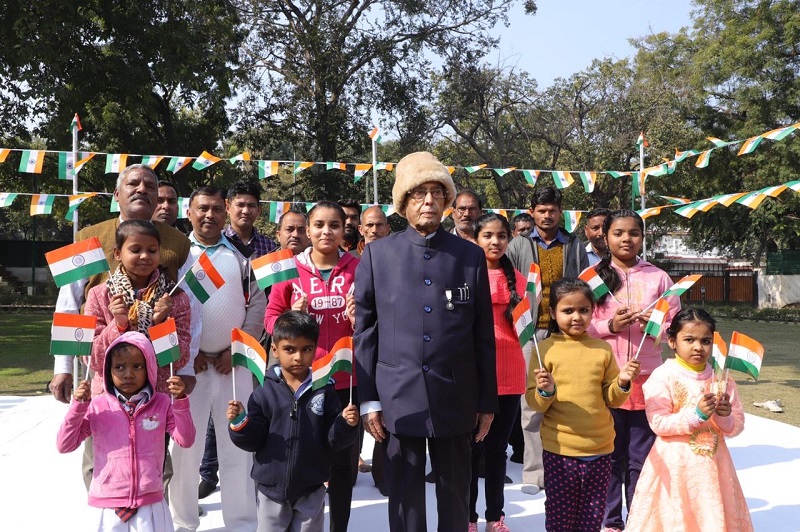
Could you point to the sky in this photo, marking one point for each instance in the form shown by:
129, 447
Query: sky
566, 35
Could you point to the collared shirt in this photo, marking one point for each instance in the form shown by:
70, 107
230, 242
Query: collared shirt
139, 399
258, 245
561, 238
594, 258
210, 250
305, 385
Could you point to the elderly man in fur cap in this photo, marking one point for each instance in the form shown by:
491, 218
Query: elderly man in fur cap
424, 343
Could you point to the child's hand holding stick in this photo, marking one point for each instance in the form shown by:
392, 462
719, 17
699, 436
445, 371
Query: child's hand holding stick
83, 392
628, 373
350, 414
176, 387
544, 381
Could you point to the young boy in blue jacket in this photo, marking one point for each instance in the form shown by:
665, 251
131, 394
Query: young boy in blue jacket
292, 429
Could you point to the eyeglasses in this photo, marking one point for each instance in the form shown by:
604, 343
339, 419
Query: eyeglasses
463, 210
420, 193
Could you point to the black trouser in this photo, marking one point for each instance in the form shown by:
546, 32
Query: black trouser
344, 472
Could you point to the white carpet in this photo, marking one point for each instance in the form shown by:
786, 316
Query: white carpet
42, 490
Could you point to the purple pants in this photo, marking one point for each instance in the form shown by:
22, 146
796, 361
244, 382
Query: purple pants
576, 492
632, 444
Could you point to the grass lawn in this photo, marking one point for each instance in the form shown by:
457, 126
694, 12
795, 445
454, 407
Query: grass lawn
26, 366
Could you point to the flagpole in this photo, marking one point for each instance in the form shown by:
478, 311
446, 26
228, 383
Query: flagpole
75, 374
374, 171
351, 385
641, 194
636, 356
536, 346
74, 177
233, 375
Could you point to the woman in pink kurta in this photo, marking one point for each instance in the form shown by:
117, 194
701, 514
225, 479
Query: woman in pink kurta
689, 481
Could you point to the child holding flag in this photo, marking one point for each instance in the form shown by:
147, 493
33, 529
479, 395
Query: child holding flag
293, 429
578, 381
136, 297
128, 423
689, 480
322, 287
507, 285
635, 285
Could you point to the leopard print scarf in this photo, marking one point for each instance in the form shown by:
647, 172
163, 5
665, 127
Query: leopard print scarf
140, 311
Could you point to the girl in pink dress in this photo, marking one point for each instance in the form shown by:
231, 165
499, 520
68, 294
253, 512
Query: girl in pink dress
689, 481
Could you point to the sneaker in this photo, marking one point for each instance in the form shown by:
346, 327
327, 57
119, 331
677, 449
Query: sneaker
497, 526
508, 480
774, 405
530, 489
473, 527
517, 457
205, 489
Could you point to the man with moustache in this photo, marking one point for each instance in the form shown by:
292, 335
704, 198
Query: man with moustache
466, 209
374, 225
352, 212
522, 223
167, 204
292, 231
593, 231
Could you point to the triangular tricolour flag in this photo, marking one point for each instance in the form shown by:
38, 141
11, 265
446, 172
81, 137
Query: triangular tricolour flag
384, 166
164, 337
562, 179
523, 321
595, 282
656, 322
473, 169
750, 145
32, 161
244, 156
719, 143
781, 133
641, 141
274, 267
727, 199
360, 170
340, 358
534, 285
702, 160
248, 353
719, 351
116, 162
745, 355
681, 286
589, 179
74, 201
72, 334
752, 199
7, 198
571, 220
375, 135
203, 279
332, 165
504, 171
177, 163
77, 261
277, 209
676, 201
42, 204
652, 211
151, 160
299, 166
267, 169
530, 177
205, 160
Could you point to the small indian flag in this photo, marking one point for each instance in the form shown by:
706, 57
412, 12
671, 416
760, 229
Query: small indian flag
3, 154
67, 168
680, 156
74, 201
450, 169
203, 279
244, 156
267, 169
330, 165
151, 160
375, 135
702, 160
571, 220
205, 160
177, 163
752, 199
360, 170
681, 286
299, 166
340, 358
248, 353
595, 282
76, 122
523, 322
719, 352
719, 143
656, 321
534, 285
530, 177
750, 145
781, 133
588, 179
503, 171
638, 182
616, 174
72, 334
164, 337
277, 209
114, 205
676, 201
183, 208
641, 141
274, 267
745, 355
727, 199
473, 169
7, 198
116, 162
42, 203
651, 211
562, 179
384, 166
32, 161
77, 261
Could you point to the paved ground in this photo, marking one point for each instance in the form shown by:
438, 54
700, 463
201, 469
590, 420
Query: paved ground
42, 490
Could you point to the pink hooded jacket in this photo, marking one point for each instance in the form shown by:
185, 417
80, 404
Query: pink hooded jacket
128, 450
326, 302
642, 284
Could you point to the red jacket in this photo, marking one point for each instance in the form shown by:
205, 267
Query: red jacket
326, 302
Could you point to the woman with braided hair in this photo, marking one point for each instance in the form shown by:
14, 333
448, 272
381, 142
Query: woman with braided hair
135, 297
507, 285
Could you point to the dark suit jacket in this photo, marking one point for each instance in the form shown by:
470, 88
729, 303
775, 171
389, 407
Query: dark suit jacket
432, 369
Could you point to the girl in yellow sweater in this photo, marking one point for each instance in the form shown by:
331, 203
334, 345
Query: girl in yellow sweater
579, 380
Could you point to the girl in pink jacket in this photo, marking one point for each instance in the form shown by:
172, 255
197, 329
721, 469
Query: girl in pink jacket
128, 423
620, 321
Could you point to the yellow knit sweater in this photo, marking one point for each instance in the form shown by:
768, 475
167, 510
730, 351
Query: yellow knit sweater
576, 419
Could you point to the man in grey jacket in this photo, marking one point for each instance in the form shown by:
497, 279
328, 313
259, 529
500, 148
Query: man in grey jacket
558, 254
